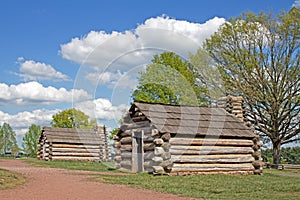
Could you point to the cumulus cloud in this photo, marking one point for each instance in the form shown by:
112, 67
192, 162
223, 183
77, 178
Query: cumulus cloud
102, 51
102, 109
22, 120
99, 109
34, 93
296, 4
32, 70
113, 79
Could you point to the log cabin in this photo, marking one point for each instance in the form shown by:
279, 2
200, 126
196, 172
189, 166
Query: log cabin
181, 140
73, 144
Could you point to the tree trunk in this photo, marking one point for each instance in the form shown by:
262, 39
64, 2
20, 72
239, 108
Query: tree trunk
276, 153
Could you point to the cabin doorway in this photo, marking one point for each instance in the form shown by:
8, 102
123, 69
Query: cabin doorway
137, 152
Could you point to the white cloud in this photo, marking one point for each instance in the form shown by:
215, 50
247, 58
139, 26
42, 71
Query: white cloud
22, 120
102, 109
113, 79
35, 93
296, 4
32, 70
130, 49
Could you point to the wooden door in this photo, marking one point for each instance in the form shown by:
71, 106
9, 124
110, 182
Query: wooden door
137, 152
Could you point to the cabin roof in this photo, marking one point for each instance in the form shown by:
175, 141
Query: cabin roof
190, 120
71, 135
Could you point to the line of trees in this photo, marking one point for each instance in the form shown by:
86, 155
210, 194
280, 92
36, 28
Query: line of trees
289, 155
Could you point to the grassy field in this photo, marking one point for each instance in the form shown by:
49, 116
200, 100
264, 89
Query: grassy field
273, 184
10, 180
72, 165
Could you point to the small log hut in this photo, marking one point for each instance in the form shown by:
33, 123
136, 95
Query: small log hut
73, 144
181, 140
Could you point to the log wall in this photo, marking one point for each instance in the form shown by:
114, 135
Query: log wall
70, 144
209, 155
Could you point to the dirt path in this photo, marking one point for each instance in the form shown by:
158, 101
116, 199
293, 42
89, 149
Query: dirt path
59, 184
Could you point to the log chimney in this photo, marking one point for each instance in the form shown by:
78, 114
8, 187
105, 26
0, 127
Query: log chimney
233, 105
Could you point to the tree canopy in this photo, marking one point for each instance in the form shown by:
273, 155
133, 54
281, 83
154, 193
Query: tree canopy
170, 80
72, 118
8, 142
258, 57
31, 139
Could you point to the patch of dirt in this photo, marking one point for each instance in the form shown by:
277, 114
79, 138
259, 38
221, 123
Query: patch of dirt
59, 184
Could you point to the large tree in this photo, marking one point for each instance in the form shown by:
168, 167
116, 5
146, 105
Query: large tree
8, 142
258, 56
72, 118
31, 139
169, 79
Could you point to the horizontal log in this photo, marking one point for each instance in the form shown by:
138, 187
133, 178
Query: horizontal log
157, 159
117, 151
166, 136
212, 167
75, 150
79, 146
125, 164
79, 154
76, 141
75, 136
256, 154
140, 119
75, 158
255, 147
149, 146
200, 150
158, 141
158, 169
166, 155
135, 125
257, 164
128, 139
125, 133
211, 142
147, 155
117, 144
226, 158
118, 158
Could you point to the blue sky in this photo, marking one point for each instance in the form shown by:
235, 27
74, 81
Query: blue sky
87, 54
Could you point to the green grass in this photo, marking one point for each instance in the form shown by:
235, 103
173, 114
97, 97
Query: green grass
267, 186
73, 165
273, 184
10, 180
